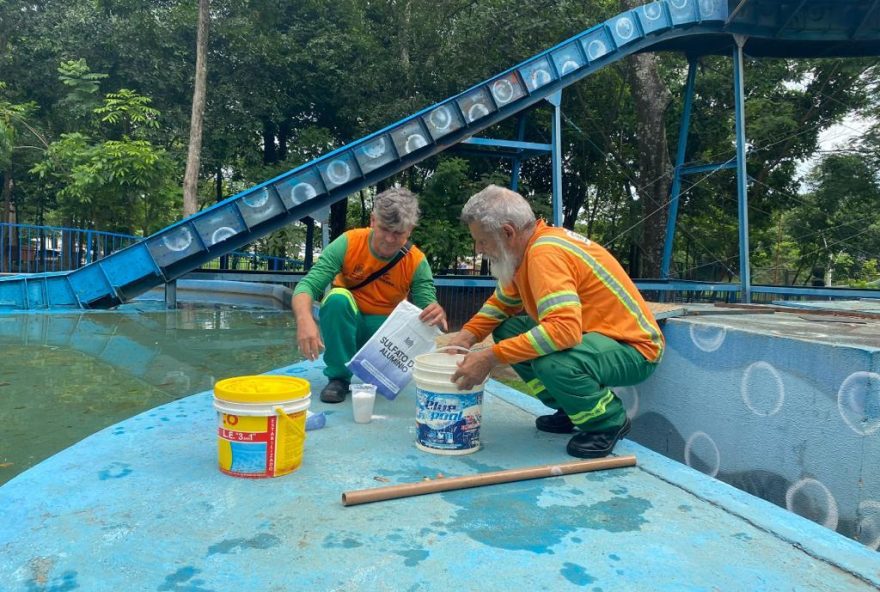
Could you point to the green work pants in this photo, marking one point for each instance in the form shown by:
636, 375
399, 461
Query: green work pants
344, 331
577, 380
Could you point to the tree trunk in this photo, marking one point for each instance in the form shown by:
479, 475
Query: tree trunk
655, 167
338, 214
194, 154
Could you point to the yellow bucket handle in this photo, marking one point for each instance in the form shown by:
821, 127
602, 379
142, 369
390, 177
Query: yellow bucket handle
299, 431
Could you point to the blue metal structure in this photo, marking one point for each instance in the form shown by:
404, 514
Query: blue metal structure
696, 27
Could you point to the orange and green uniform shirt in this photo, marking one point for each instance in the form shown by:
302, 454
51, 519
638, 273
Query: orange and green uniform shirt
349, 260
350, 317
570, 286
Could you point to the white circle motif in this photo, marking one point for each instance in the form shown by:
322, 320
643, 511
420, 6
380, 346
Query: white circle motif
257, 200
629, 395
690, 445
596, 49
502, 90
652, 11
750, 384
440, 118
303, 192
869, 524
569, 66
221, 234
858, 402
476, 111
679, 4
414, 142
707, 338
375, 149
624, 27
339, 172
539, 78
179, 240
708, 7
830, 504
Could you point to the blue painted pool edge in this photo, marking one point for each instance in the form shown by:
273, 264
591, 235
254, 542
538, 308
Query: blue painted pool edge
813, 539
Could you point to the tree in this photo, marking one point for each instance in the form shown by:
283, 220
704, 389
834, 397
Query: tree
193, 157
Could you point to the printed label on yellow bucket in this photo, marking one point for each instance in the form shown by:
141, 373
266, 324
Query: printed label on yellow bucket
261, 430
258, 446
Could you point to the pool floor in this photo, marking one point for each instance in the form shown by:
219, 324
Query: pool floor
141, 505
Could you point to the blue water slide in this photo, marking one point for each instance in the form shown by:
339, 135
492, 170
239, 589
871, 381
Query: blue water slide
253, 213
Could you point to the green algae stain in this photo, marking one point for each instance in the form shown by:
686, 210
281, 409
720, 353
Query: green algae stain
509, 517
576, 574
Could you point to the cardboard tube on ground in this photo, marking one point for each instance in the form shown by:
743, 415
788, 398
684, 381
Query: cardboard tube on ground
365, 496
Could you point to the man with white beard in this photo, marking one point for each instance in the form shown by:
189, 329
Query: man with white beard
585, 327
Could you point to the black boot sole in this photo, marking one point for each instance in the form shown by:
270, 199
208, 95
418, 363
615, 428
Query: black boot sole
574, 450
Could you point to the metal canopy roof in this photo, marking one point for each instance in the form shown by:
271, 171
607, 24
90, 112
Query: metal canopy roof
793, 29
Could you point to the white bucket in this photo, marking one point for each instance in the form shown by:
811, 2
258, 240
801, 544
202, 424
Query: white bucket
447, 419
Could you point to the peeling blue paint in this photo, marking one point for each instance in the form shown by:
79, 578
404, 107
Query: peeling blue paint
614, 557
179, 581
413, 556
685, 508
114, 470
68, 582
742, 536
576, 574
525, 525
334, 541
261, 541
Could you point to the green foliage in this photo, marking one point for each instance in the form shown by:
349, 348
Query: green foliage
288, 82
441, 236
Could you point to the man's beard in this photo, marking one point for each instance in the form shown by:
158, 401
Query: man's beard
503, 266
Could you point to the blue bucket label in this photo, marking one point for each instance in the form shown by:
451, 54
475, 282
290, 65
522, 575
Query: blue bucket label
449, 421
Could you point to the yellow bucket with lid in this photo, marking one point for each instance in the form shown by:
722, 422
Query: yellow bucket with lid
262, 424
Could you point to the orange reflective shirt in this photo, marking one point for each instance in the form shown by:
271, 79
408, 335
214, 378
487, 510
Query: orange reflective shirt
570, 286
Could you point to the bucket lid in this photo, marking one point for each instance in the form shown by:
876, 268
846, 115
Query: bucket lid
264, 388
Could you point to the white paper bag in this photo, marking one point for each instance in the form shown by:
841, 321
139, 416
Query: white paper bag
387, 359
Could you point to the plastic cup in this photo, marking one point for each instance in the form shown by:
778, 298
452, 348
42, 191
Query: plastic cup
363, 397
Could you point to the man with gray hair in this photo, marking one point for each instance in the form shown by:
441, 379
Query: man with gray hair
371, 270
585, 329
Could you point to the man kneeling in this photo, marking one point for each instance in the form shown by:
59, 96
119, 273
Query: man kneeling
585, 329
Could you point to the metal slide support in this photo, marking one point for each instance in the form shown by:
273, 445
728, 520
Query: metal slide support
741, 173
171, 295
556, 100
520, 136
675, 192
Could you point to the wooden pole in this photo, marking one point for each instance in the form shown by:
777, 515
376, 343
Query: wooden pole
365, 496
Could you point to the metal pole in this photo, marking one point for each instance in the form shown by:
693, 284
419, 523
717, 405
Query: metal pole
675, 192
171, 295
556, 100
741, 173
517, 162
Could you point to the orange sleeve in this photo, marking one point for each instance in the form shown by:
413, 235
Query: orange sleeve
553, 287
501, 305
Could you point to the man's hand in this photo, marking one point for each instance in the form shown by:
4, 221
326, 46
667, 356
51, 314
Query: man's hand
434, 315
308, 338
474, 369
463, 339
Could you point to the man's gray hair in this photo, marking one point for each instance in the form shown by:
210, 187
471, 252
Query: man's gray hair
495, 206
397, 209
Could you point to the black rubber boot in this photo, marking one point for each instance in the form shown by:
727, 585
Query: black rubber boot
558, 423
335, 391
597, 444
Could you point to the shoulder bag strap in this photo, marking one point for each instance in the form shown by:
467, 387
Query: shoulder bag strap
377, 274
